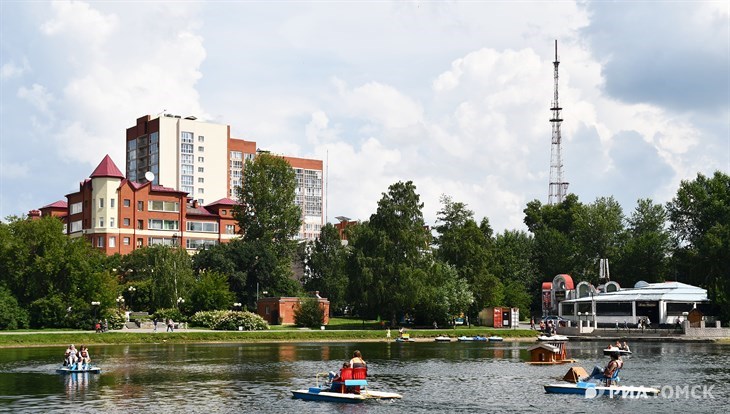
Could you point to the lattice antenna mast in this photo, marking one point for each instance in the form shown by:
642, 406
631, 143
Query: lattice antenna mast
558, 188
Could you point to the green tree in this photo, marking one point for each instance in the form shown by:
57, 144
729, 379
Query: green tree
269, 219
12, 316
325, 267
390, 257
514, 250
168, 271
700, 224
211, 292
467, 247
645, 255
598, 234
309, 313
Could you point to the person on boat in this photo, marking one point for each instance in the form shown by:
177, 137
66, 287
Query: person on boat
338, 377
70, 356
84, 356
618, 345
625, 347
357, 361
606, 373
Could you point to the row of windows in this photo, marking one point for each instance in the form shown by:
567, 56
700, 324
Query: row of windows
202, 226
187, 137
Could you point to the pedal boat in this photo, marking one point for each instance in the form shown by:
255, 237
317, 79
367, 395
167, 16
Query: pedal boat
91, 369
442, 338
609, 351
553, 338
472, 338
326, 392
591, 389
495, 339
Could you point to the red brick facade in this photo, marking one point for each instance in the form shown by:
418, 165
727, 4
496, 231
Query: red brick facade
280, 311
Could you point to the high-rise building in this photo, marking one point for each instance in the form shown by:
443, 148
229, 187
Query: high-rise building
204, 161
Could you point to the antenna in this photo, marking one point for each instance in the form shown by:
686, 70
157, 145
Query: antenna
557, 188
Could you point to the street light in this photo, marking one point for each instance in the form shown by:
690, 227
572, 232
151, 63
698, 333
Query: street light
120, 301
180, 300
237, 305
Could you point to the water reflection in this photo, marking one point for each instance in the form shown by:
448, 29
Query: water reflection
76, 384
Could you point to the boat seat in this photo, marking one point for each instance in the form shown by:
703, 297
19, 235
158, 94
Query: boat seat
359, 373
614, 378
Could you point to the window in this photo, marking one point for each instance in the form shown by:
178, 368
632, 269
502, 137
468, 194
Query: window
139, 242
75, 208
126, 222
186, 180
201, 138
101, 203
101, 221
201, 190
157, 205
201, 179
230, 229
159, 224
186, 137
201, 169
125, 241
194, 244
186, 158
75, 226
201, 159
140, 224
236, 155
187, 188
203, 226
112, 222
140, 205
201, 149
112, 202
112, 241
127, 202
223, 212
186, 169
201, 201
154, 138
186, 148
100, 241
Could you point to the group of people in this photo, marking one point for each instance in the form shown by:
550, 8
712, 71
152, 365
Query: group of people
101, 326
77, 358
619, 346
355, 362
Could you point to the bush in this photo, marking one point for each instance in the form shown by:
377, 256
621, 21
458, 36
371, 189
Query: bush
12, 316
115, 318
229, 320
168, 313
49, 312
309, 313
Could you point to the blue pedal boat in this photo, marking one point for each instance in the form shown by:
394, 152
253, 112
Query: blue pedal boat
69, 370
591, 390
330, 393
472, 338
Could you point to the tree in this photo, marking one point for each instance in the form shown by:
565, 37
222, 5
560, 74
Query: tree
211, 292
514, 250
390, 257
598, 234
700, 225
645, 255
467, 247
309, 313
325, 267
269, 219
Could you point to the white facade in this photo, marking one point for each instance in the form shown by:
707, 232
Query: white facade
186, 154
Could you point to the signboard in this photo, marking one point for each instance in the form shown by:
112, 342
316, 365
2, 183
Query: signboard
515, 318
546, 302
505, 317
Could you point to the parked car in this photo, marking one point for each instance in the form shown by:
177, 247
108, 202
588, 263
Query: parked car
557, 320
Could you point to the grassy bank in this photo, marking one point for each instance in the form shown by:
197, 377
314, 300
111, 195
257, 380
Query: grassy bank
303, 335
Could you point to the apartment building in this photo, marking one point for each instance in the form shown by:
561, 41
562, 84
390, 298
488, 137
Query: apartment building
202, 160
118, 215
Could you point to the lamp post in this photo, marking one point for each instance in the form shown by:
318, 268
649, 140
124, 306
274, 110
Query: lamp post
180, 301
96, 304
131, 291
120, 301
237, 305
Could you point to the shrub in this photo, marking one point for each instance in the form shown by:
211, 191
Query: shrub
229, 320
12, 316
48, 312
309, 313
115, 318
168, 313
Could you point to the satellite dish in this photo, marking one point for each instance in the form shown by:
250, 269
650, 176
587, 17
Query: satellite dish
149, 176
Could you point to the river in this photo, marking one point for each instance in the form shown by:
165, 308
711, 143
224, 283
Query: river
432, 377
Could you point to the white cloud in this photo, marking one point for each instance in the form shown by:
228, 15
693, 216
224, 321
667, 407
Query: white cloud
38, 96
11, 69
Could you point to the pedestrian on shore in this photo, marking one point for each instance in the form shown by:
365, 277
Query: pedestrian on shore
387, 333
154, 322
170, 325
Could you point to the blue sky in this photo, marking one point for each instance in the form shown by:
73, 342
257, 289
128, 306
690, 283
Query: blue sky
451, 95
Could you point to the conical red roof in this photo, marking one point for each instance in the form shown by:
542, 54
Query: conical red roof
107, 168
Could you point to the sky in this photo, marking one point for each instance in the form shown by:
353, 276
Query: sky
453, 96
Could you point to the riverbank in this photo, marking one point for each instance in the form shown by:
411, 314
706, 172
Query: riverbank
134, 336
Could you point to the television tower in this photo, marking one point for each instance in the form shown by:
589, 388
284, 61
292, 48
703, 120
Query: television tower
558, 188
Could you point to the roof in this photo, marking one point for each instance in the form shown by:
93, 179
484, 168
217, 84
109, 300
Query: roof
548, 347
224, 202
199, 211
57, 204
107, 168
665, 291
